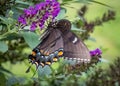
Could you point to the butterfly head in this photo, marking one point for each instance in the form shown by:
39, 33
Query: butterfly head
63, 25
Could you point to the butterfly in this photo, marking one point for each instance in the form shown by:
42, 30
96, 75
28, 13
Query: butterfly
59, 41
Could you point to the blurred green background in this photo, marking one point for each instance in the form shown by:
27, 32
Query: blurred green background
106, 36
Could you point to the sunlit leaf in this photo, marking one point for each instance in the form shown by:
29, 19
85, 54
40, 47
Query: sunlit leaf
4, 70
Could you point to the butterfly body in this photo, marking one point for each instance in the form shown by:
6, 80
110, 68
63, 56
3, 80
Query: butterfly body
58, 41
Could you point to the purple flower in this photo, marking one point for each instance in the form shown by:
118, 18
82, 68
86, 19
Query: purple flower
56, 5
45, 17
22, 20
30, 12
96, 52
55, 12
40, 13
54, 8
33, 26
50, 0
41, 23
40, 6
27, 12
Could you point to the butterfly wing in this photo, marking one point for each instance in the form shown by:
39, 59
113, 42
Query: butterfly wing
51, 41
74, 48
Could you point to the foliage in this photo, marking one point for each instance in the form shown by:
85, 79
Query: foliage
15, 46
94, 76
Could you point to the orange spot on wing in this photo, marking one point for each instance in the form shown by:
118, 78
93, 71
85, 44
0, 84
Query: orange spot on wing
41, 51
47, 53
33, 53
33, 59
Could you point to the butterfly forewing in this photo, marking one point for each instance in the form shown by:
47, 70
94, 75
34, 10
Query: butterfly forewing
52, 42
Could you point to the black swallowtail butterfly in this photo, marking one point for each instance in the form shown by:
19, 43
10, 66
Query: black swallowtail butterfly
58, 41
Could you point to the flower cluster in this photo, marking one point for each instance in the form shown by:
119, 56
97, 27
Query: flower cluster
96, 52
39, 14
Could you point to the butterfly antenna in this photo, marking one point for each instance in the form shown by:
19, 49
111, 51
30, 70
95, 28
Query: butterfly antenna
28, 70
35, 71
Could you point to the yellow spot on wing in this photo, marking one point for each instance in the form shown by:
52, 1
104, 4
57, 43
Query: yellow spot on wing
48, 63
36, 63
42, 64
55, 59
60, 53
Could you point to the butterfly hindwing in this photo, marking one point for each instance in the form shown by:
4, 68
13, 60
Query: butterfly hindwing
74, 48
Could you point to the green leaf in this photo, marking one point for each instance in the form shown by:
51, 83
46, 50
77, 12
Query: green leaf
31, 39
10, 36
12, 81
22, 2
3, 46
2, 69
62, 13
0, 27
74, 28
4, 20
2, 79
44, 71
